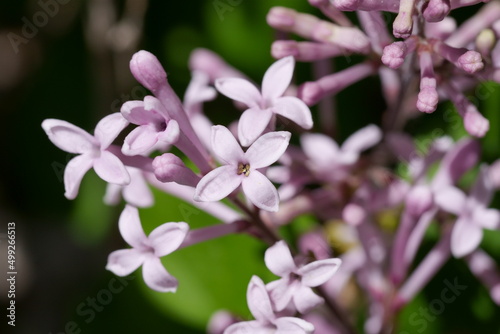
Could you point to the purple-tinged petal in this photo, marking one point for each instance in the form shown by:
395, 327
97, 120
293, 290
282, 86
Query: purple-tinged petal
247, 327
137, 192
69, 137
252, 123
198, 90
295, 110
123, 262
240, 90
267, 149
318, 272
140, 140
146, 68
133, 111
321, 149
465, 237
109, 168
113, 194
218, 184
305, 299
154, 106
482, 191
279, 260
157, 277
290, 325
258, 301
277, 78
281, 292
109, 128
419, 199
362, 139
171, 133
131, 228
74, 172
451, 199
486, 218
260, 191
225, 145
168, 237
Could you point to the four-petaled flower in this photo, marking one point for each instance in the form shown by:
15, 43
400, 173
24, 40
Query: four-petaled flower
472, 213
266, 321
241, 168
263, 106
296, 281
92, 151
147, 251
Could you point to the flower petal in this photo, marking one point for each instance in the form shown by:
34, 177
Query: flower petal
240, 90
171, 133
281, 292
451, 199
140, 140
465, 237
156, 108
319, 272
260, 191
290, 325
74, 172
252, 123
225, 145
168, 237
321, 149
137, 192
267, 149
157, 277
486, 218
109, 128
131, 230
362, 139
247, 327
111, 169
125, 261
295, 110
69, 137
277, 78
258, 301
279, 260
217, 184
305, 299
482, 191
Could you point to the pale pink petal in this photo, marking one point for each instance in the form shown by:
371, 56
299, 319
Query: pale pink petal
113, 193
69, 137
260, 191
267, 149
109, 128
321, 149
133, 111
281, 292
486, 218
240, 90
277, 78
225, 145
363, 139
252, 123
248, 327
258, 301
289, 325
171, 133
305, 299
279, 260
125, 261
482, 191
109, 168
140, 140
318, 272
157, 277
153, 105
218, 184
450, 199
137, 192
295, 110
131, 228
74, 172
168, 237
465, 237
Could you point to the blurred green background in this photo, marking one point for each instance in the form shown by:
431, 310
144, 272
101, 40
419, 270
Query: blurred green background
75, 67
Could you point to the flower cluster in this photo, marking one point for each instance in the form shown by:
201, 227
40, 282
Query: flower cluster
348, 188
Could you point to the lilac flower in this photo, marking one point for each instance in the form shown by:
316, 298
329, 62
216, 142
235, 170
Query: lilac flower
242, 168
296, 280
155, 126
92, 151
266, 321
147, 251
262, 106
472, 213
136, 193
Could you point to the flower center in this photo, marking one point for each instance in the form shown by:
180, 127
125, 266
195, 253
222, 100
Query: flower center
162, 126
243, 169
